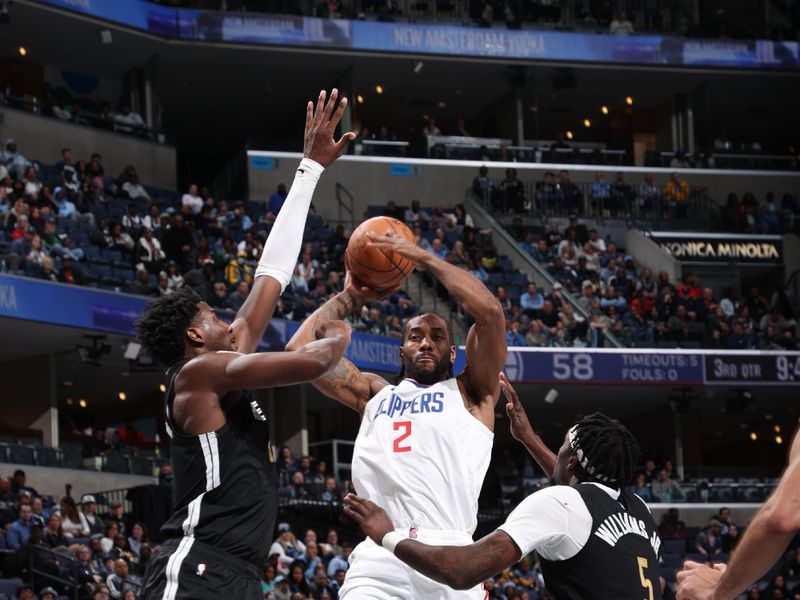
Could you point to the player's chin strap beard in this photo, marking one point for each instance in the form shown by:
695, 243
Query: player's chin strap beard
574, 444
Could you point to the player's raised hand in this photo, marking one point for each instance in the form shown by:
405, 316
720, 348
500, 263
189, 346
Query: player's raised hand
698, 581
402, 246
518, 419
372, 519
321, 121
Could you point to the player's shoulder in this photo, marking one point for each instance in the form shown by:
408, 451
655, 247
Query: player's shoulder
564, 495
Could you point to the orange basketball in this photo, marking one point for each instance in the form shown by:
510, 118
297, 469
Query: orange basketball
374, 267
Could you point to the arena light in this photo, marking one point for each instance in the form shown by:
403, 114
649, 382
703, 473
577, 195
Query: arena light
570, 135
123, 396
441, 104
379, 89
82, 403
777, 428
418, 66
69, 401
162, 388
360, 99
629, 100
604, 109
753, 436
587, 123
778, 440
23, 51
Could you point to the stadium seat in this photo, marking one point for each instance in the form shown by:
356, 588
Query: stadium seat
71, 456
677, 547
9, 587
672, 561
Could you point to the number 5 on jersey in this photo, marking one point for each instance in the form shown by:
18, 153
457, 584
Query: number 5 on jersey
405, 428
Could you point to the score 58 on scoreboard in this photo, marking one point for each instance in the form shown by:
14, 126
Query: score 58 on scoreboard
648, 367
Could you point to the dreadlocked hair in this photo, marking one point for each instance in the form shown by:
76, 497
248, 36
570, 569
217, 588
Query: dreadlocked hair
164, 323
610, 448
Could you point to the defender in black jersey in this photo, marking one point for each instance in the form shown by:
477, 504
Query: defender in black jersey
595, 539
225, 485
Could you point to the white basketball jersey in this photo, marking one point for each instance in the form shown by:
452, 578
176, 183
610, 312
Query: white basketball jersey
422, 456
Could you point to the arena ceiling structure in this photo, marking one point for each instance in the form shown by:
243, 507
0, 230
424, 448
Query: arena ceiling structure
215, 97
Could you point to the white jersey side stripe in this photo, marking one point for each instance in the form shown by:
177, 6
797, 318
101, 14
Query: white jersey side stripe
208, 442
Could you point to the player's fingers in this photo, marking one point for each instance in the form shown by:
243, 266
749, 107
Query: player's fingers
309, 114
690, 564
721, 567
353, 514
337, 115
510, 409
329, 106
320, 107
344, 140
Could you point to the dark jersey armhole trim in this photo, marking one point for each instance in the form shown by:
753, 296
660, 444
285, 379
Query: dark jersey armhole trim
177, 435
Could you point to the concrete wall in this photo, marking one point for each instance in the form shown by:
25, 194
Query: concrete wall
650, 254
51, 481
371, 181
42, 138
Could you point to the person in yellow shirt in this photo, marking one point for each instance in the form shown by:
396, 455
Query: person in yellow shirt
676, 192
238, 270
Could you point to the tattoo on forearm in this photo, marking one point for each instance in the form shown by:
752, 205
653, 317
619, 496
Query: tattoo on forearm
339, 373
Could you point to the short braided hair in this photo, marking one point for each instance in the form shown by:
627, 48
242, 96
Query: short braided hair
607, 450
164, 323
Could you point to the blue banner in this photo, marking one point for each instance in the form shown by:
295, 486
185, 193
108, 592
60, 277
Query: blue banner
412, 38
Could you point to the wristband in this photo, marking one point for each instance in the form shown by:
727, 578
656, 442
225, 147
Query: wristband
391, 539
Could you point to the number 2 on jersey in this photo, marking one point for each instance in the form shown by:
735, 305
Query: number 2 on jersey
646, 583
405, 427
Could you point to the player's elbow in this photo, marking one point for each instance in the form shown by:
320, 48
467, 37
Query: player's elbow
781, 520
460, 579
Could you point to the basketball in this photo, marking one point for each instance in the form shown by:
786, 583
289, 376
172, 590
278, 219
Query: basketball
374, 267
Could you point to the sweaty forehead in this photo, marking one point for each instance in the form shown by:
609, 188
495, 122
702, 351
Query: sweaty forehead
427, 321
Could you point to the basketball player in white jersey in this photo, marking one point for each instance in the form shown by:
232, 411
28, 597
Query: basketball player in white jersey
424, 444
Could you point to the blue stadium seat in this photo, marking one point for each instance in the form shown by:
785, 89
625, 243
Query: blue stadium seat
80, 238
124, 274
114, 256
102, 271
675, 547
497, 278
92, 252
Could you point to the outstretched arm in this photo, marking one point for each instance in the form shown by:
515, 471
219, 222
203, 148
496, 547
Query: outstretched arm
522, 431
486, 340
460, 567
344, 383
274, 272
764, 542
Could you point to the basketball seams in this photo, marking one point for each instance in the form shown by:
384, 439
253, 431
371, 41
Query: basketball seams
398, 269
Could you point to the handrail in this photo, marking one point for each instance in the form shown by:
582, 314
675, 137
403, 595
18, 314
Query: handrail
346, 204
59, 557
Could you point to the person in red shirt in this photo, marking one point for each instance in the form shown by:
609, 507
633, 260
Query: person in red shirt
693, 287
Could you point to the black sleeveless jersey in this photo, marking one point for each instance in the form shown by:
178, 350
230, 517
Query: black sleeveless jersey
225, 488
620, 559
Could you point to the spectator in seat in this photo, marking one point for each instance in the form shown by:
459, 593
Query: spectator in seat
15, 163
665, 489
621, 194
331, 492
671, 526
131, 220
461, 217
570, 194
191, 202
149, 252
640, 488
128, 121
66, 208
431, 128
477, 270
650, 195
238, 296
141, 284
73, 522
598, 243
138, 537
709, 541
416, 216
600, 193
19, 532
676, 194
512, 192
581, 234
339, 562
32, 185
548, 193
542, 253
88, 510
121, 240
536, 335
287, 546
621, 25
483, 187
134, 189
531, 300
69, 273
120, 581
514, 336
179, 243
441, 219
53, 536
